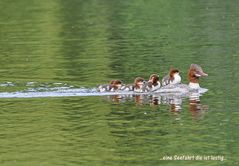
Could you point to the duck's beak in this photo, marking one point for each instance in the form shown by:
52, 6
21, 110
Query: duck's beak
204, 74
198, 70
201, 74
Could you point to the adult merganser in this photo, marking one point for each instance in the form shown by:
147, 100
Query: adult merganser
172, 78
113, 86
153, 83
194, 73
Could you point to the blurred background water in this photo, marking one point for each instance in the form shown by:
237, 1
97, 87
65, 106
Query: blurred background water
76, 43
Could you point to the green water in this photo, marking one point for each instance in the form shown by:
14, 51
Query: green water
85, 43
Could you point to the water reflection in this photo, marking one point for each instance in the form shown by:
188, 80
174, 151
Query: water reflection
196, 108
174, 102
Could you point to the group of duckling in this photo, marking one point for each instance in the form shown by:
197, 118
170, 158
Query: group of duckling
142, 85
172, 80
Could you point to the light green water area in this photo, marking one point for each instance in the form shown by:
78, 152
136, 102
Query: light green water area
82, 43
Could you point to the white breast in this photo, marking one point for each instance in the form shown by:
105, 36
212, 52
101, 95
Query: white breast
156, 87
194, 85
177, 79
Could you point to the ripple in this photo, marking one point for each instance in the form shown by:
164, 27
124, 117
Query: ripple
56, 92
69, 91
7, 84
58, 89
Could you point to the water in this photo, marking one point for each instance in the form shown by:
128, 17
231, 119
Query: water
64, 45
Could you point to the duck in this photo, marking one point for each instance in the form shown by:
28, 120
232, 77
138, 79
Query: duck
114, 85
139, 85
153, 83
194, 73
172, 78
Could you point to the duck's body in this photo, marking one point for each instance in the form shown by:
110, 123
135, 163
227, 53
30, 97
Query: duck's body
113, 86
104, 88
172, 78
174, 88
127, 88
153, 83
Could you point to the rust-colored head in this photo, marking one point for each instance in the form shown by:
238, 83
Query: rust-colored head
195, 72
116, 84
154, 78
138, 82
172, 72
113, 82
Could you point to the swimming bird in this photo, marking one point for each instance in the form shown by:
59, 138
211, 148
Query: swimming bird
140, 85
113, 86
172, 78
153, 83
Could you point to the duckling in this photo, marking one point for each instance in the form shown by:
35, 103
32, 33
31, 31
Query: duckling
172, 78
113, 86
153, 83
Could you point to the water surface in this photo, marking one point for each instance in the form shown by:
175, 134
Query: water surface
80, 44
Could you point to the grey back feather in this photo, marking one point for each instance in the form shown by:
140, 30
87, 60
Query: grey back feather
166, 80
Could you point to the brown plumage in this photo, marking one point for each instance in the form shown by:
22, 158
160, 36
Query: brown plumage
195, 72
138, 82
154, 78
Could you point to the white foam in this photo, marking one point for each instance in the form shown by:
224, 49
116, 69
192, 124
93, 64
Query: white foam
68, 92
7, 84
57, 92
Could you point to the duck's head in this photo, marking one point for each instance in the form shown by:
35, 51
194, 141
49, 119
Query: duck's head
138, 82
116, 83
154, 78
173, 72
195, 72
174, 76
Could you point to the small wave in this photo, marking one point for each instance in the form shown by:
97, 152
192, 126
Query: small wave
62, 92
7, 84
56, 92
35, 90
